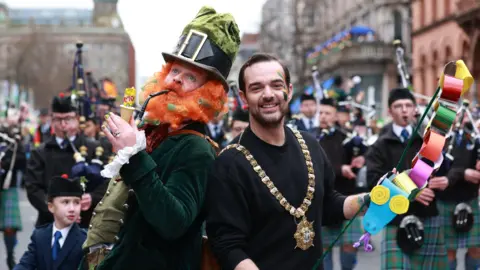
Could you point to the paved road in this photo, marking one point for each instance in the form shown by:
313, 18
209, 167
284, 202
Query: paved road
366, 261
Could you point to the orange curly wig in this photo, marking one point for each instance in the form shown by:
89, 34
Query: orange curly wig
175, 107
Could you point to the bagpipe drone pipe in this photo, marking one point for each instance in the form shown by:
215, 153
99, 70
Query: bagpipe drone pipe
395, 190
88, 172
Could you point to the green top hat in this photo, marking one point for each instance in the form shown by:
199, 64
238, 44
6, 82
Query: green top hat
210, 42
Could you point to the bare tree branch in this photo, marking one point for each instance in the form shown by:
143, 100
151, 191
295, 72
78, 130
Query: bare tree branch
41, 63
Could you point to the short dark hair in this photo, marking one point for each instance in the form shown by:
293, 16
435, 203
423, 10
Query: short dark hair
400, 93
259, 58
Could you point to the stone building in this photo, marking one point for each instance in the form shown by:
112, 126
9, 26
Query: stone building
50, 35
372, 26
277, 30
444, 31
248, 46
295, 28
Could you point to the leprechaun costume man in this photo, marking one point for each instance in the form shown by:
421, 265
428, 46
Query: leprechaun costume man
165, 165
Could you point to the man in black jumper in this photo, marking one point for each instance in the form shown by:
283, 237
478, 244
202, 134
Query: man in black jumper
272, 189
382, 157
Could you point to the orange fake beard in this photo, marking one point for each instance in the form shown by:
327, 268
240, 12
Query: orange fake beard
176, 107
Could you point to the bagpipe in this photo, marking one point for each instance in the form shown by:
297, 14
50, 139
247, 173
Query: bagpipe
356, 144
11, 137
8, 144
393, 193
395, 190
89, 173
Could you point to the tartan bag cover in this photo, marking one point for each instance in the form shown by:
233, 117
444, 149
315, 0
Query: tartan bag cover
10, 217
431, 256
453, 239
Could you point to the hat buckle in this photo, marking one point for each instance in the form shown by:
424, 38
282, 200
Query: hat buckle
187, 41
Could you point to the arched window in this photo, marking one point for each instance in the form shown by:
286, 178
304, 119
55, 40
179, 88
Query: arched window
397, 25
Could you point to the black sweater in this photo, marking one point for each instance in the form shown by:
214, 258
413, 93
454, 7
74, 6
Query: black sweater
246, 221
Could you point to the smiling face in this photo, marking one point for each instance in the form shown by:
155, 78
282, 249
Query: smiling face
267, 93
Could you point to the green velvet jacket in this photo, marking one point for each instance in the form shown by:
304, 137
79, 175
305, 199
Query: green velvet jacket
162, 227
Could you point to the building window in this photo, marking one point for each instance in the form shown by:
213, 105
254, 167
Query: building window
447, 7
434, 11
422, 13
423, 63
448, 54
465, 50
310, 15
434, 68
397, 25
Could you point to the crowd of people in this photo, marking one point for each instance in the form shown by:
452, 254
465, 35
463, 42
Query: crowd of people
190, 182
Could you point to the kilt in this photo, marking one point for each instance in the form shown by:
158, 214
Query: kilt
455, 240
431, 256
351, 235
10, 210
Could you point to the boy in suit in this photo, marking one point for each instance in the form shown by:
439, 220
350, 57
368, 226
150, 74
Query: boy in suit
58, 245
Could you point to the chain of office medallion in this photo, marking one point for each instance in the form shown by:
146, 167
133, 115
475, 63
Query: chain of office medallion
307, 201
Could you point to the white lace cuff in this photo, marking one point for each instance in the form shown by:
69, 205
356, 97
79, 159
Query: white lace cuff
123, 156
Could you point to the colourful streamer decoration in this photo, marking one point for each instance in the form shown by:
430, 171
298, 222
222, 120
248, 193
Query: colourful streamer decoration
393, 194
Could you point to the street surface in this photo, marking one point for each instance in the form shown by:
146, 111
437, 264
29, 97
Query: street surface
366, 261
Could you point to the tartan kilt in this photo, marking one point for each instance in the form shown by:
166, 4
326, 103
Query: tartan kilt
431, 256
453, 239
10, 210
351, 235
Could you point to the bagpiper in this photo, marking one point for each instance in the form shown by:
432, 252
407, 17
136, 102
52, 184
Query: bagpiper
12, 164
414, 240
458, 204
345, 166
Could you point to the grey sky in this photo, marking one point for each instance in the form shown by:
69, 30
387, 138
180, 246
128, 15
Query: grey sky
154, 25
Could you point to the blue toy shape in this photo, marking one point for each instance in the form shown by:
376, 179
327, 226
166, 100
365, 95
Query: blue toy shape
378, 216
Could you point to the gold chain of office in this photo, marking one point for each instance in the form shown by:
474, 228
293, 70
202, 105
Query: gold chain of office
305, 233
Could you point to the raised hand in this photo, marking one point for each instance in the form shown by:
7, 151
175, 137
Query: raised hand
120, 133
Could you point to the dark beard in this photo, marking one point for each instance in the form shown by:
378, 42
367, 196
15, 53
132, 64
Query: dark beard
269, 123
